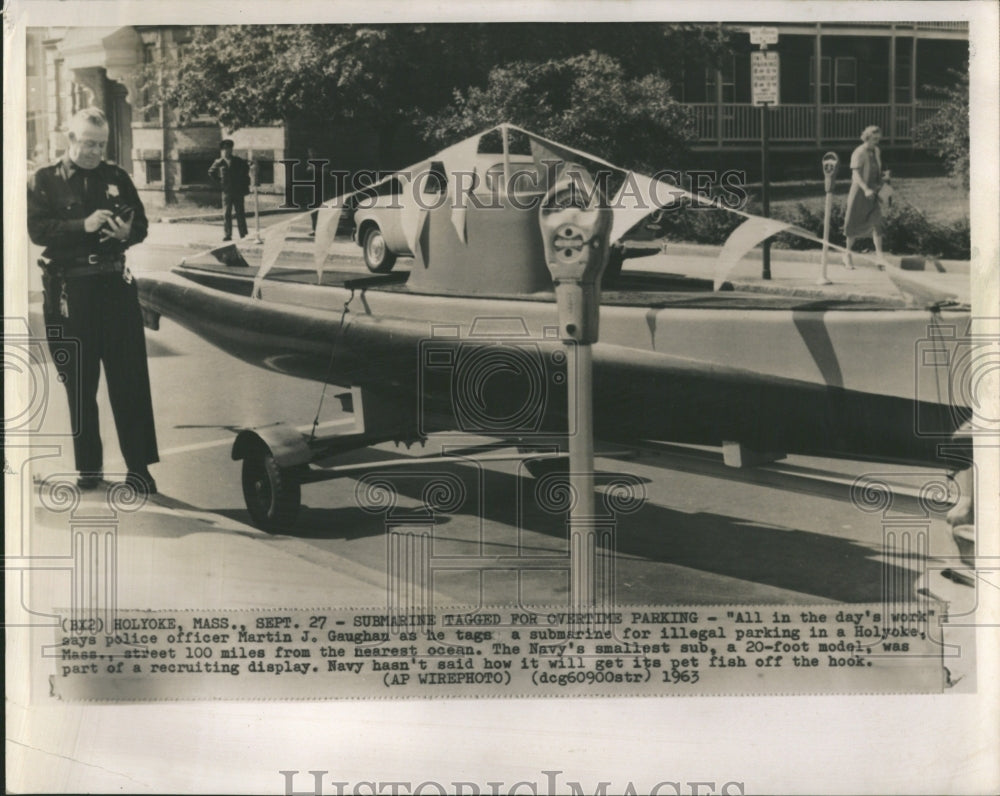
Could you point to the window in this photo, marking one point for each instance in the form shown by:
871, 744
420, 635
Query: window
727, 73
57, 68
904, 55
265, 172
824, 81
82, 97
838, 79
846, 76
154, 171
150, 111
31, 58
194, 171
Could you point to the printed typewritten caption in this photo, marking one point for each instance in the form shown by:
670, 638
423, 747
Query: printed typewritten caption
629, 651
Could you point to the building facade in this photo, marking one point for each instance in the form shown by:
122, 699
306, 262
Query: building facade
110, 68
869, 73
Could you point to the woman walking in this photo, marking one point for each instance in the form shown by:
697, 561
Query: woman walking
864, 213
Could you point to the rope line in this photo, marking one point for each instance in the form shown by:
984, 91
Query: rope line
329, 367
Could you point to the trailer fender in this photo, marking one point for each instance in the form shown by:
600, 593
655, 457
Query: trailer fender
288, 446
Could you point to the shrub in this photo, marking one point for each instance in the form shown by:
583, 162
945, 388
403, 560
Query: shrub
811, 221
906, 229
589, 101
947, 131
699, 224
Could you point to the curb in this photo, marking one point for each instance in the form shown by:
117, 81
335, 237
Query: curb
792, 255
208, 218
815, 293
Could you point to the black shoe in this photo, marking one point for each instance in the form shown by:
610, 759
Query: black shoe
141, 481
228, 237
89, 481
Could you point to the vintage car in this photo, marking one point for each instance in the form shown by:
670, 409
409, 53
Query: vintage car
378, 219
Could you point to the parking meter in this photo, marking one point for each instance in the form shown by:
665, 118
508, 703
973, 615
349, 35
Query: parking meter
830, 163
576, 228
886, 191
576, 231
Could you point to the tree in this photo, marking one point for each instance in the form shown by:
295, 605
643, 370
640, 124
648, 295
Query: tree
389, 77
586, 101
317, 75
947, 131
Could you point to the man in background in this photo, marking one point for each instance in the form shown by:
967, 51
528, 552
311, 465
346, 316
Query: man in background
232, 173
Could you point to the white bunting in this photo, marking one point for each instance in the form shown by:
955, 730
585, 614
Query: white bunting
412, 214
459, 160
274, 242
561, 149
742, 240
327, 218
639, 196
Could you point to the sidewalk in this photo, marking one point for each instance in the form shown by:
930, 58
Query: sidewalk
797, 277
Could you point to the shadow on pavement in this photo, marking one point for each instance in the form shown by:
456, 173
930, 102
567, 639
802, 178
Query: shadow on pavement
811, 563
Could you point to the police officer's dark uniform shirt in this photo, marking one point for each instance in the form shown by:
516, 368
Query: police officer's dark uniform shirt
92, 313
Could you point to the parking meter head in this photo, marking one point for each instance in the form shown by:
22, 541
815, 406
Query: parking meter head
576, 230
830, 163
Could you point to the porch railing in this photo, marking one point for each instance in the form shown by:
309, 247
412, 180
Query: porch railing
740, 122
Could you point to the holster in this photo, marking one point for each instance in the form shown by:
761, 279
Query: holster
52, 289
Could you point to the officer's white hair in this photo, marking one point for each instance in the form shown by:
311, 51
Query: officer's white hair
85, 118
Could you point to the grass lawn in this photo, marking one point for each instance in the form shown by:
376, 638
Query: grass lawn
940, 199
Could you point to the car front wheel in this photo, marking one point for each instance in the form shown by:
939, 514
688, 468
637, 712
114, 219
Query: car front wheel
378, 258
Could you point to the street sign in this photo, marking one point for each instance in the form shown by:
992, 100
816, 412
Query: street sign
764, 73
764, 36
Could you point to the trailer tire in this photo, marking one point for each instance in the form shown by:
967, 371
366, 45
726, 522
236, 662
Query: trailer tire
272, 493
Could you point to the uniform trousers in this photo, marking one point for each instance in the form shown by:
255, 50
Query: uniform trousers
104, 326
233, 203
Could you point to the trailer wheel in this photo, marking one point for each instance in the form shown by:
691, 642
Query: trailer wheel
273, 494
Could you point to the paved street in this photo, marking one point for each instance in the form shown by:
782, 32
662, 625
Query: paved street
706, 533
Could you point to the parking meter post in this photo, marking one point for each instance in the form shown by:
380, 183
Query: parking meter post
583, 532
256, 200
830, 162
765, 169
505, 135
576, 227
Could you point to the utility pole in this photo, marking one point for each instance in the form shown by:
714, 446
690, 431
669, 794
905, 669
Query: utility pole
256, 199
765, 82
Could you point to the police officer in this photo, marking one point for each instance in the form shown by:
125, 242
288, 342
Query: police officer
86, 213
